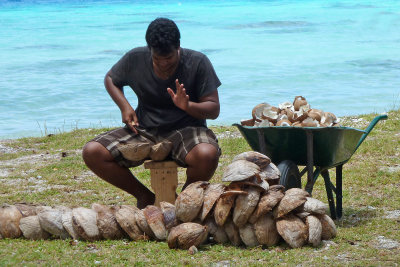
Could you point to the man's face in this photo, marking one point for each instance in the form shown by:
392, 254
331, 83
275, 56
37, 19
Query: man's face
166, 63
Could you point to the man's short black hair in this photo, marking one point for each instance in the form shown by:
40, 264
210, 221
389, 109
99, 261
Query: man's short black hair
163, 36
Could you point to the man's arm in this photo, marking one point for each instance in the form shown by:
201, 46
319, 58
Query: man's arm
207, 107
128, 114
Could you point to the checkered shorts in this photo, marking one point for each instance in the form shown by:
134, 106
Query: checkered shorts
183, 140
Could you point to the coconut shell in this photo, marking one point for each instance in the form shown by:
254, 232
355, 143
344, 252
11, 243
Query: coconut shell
51, 222
224, 205
155, 219
293, 230
263, 123
240, 170
298, 102
259, 159
258, 182
26, 209
66, 219
315, 114
135, 151
269, 200
258, 110
248, 235
232, 231
270, 113
265, 230
294, 197
314, 230
328, 119
107, 223
189, 202
285, 105
30, 227
169, 213
299, 116
186, 235
328, 227
271, 174
303, 215
9, 221
245, 205
211, 195
216, 232
249, 122
315, 206
160, 151
309, 122
126, 218
84, 222
141, 222
284, 122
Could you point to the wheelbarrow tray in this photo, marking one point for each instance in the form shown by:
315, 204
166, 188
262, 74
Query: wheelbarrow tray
332, 146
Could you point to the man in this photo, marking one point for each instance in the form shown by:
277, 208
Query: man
177, 91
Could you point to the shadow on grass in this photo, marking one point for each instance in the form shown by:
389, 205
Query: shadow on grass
356, 217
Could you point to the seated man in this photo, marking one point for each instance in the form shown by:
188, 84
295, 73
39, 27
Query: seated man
177, 91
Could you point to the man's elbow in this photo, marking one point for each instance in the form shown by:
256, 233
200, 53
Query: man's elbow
215, 113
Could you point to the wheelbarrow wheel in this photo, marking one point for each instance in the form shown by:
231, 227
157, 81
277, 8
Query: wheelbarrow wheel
290, 175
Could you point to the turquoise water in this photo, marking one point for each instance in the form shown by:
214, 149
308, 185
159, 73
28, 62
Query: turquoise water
343, 56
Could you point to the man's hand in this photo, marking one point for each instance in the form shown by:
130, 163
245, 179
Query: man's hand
130, 119
180, 99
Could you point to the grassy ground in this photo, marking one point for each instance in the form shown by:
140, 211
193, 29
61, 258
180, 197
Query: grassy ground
49, 170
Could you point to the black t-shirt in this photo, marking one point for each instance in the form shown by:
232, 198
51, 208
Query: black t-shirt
155, 107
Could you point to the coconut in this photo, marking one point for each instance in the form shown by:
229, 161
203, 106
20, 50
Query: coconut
232, 232
296, 124
84, 222
169, 213
294, 197
249, 122
9, 221
25, 209
257, 181
248, 235
270, 113
309, 122
155, 219
224, 205
211, 195
135, 151
189, 202
293, 230
265, 230
216, 232
258, 110
257, 158
283, 122
160, 151
314, 230
30, 227
328, 119
66, 219
107, 223
141, 222
240, 170
315, 206
186, 235
268, 201
245, 205
271, 174
285, 105
315, 114
51, 222
328, 227
299, 116
126, 218
298, 102
263, 123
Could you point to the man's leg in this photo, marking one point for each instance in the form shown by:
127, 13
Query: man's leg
202, 162
100, 161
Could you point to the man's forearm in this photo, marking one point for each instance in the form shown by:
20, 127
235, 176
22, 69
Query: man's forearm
116, 94
203, 110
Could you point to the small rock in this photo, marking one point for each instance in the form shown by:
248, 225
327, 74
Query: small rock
222, 264
193, 250
393, 214
97, 262
386, 243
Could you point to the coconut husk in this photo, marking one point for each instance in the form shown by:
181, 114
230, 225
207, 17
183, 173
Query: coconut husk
299, 116
268, 201
245, 205
51, 222
126, 218
265, 230
328, 227
189, 202
224, 205
84, 222
141, 222
26, 209
296, 124
271, 174
284, 122
66, 219
293, 230
186, 235
217, 233
240, 170
248, 235
9, 221
42, 208
270, 113
303, 215
169, 213
314, 230
315, 206
107, 223
211, 195
135, 151
315, 114
263, 123
161, 150
298, 102
232, 231
309, 122
155, 218
30, 227
257, 158
249, 122
257, 111
294, 197
261, 183
285, 105
328, 119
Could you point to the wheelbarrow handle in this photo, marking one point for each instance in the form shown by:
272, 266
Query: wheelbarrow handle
370, 127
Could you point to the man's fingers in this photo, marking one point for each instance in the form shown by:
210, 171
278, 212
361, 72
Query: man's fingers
170, 92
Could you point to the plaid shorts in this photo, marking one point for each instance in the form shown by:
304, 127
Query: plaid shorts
183, 140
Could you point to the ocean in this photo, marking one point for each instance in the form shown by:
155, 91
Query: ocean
343, 56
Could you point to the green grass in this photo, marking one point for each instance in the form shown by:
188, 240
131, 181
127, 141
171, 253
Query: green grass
39, 172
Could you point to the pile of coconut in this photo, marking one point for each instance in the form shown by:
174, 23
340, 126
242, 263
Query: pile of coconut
297, 114
251, 210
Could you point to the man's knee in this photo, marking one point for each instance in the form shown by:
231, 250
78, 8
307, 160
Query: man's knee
94, 151
203, 154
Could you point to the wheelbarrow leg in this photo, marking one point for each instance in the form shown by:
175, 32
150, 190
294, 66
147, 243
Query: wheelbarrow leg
329, 193
310, 161
339, 191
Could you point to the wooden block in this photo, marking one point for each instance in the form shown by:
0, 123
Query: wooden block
164, 180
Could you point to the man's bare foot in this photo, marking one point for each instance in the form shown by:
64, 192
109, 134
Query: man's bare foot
143, 202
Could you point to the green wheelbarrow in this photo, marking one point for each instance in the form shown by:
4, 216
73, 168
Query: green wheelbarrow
319, 147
